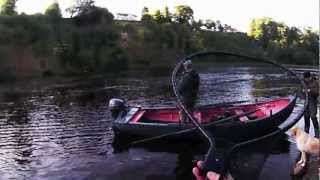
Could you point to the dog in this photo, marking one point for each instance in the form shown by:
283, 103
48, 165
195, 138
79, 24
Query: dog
307, 145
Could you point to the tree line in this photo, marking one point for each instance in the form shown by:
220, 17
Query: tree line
184, 15
288, 44
92, 41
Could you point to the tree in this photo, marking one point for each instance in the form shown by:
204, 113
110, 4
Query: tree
157, 16
196, 25
293, 36
228, 28
310, 41
282, 35
8, 7
166, 15
210, 25
53, 11
264, 30
80, 7
219, 26
145, 11
183, 14
85, 13
145, 15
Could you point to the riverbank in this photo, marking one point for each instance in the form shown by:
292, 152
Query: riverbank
41, 45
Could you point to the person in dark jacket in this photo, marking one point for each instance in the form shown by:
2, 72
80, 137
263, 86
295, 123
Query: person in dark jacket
188, 88
311, 111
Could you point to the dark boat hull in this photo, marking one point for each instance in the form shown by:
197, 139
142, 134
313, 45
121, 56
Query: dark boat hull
235, 130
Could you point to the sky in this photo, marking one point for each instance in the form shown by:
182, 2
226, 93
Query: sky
237, 13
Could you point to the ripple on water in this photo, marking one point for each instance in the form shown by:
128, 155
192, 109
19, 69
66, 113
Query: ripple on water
62, 130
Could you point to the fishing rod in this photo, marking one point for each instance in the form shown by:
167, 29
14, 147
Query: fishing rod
215, 161
224, 120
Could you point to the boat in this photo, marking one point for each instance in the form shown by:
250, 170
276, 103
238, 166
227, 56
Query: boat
236, 122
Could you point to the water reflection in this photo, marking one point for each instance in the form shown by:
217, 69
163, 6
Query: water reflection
184, 164
246, 162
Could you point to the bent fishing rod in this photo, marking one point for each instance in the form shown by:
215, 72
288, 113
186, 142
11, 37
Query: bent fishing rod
214, 161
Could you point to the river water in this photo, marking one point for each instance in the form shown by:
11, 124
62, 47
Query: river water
61, 128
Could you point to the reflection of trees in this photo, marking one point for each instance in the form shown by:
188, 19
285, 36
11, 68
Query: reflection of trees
224, 82
17, 144
241, 78
82, 93
22, 145
277, 84
184, 163
248, 161
18, 116
11, 95
155, 91
73, 118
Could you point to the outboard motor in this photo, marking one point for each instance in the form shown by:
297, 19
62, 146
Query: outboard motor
117, 106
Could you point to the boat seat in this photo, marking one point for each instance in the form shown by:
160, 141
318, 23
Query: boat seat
147, 120
242, 118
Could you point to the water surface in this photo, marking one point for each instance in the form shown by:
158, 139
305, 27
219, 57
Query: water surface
61, 128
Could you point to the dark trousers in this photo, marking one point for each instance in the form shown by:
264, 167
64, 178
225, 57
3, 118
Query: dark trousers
311, 112
183, 116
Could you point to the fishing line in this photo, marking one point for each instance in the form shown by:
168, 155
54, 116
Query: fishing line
215, 165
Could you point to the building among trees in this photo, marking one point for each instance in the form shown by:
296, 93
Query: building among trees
126, 17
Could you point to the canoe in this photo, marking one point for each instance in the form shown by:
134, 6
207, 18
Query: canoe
243, 121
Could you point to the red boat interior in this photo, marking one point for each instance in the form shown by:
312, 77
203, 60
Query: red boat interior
207, 114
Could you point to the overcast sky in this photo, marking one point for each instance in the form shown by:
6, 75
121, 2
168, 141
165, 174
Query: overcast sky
237, 13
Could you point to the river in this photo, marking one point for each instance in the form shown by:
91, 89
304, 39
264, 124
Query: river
61, 128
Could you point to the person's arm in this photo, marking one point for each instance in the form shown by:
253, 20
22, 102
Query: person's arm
314, 89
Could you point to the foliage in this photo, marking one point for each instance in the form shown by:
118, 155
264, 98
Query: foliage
157, 16
166, 15
285, 43
310, 41
94, 15
210, 25
196, 25
266, 30
80, 7
23, 29
84, 12
92, 42
53, 11
77, 50
84, 51
183, 14
219, 26
145, 11
145, 15
7, 7
117, 62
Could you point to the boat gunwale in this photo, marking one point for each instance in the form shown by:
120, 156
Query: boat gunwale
291, 98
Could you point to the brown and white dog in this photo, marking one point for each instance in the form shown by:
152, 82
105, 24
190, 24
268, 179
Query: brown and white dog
306, 144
